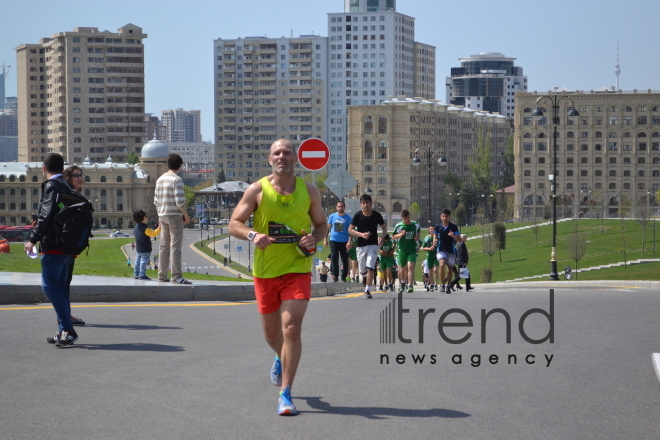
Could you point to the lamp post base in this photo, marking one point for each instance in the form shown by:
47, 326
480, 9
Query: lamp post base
554, 276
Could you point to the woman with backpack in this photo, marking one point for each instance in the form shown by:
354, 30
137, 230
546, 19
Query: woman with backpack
75, 178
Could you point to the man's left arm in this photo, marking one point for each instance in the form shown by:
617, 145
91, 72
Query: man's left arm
317, 217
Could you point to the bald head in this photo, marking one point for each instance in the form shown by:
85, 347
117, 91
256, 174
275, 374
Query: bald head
463, 237
282, 143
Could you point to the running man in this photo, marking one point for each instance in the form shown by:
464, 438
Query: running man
387, 261
431, 261
364, 226
446, 233
282, 272
406, 233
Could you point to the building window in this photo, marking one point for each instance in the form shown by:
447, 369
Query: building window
368, 125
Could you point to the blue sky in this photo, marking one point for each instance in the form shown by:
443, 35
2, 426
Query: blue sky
558, 43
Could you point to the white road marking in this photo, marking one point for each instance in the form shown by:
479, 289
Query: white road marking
656, 363
313, 154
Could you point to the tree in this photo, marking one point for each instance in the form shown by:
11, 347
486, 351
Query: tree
221, 176
490, 246
415, 211
535, 231
132, 158
120, 223
189, 196
599, 204
459, 215
577, 246
509, 170
625, 205
642, 213
499, 231
479, 162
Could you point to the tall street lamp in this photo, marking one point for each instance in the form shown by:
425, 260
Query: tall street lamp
555, 101
442, 161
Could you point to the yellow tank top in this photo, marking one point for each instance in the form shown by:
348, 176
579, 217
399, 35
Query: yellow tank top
292, 211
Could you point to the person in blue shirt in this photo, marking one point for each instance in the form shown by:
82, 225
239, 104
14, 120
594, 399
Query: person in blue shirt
338, 223
446, 233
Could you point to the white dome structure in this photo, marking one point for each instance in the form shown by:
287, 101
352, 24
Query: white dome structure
155, 149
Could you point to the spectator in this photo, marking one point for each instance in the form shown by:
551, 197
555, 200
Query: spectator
171, 206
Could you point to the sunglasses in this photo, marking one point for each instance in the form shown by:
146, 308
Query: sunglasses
77, 176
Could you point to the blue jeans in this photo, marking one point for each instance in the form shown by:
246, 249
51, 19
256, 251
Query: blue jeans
140, 264
55, 285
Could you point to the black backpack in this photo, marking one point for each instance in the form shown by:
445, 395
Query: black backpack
73, 223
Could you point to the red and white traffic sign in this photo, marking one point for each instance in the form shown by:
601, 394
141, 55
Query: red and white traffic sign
313, 154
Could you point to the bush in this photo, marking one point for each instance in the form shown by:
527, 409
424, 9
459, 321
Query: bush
486, 274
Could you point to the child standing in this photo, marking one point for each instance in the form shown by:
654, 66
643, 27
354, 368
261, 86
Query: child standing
142, 244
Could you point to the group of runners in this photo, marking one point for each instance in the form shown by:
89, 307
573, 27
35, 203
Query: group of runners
396, 255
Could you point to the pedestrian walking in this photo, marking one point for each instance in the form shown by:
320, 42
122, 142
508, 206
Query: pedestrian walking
323, 272
55, 265
338, 223
462, 259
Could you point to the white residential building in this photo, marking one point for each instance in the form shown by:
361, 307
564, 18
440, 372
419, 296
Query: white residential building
373, 56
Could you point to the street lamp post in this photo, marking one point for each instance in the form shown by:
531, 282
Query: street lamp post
366, 191
442, 161
554, 100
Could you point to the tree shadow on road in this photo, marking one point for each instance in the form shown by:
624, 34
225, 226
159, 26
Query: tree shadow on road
377, 412
131, 347
132, 327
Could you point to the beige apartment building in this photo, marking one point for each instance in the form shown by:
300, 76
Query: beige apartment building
81, 94
610, 153
266, 89
382, 140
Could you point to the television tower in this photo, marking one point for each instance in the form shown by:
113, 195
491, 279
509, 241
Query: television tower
617, 69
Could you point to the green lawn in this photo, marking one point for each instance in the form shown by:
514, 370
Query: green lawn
105, 259
528, 255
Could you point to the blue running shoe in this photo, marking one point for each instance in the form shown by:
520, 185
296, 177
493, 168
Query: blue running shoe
286, 406
276, 372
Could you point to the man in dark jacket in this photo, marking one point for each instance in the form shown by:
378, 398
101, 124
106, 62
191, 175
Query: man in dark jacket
462, 258
54, 263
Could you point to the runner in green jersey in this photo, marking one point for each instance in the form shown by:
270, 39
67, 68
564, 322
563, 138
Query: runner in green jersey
387, 260
431, 261
407, 234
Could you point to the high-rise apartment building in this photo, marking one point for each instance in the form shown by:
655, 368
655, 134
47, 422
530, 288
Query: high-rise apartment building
373, 56
486, 82
607, 155
81, 94
266, 89
182, 125
153, 127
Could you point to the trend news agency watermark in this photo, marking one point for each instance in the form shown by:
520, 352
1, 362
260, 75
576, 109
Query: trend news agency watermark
392, 331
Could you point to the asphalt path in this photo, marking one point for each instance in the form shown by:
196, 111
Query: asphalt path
201, 370
193, 259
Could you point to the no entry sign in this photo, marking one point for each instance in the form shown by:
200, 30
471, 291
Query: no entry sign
313, 154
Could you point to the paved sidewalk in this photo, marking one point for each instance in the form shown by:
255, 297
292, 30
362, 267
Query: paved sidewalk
22, 288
